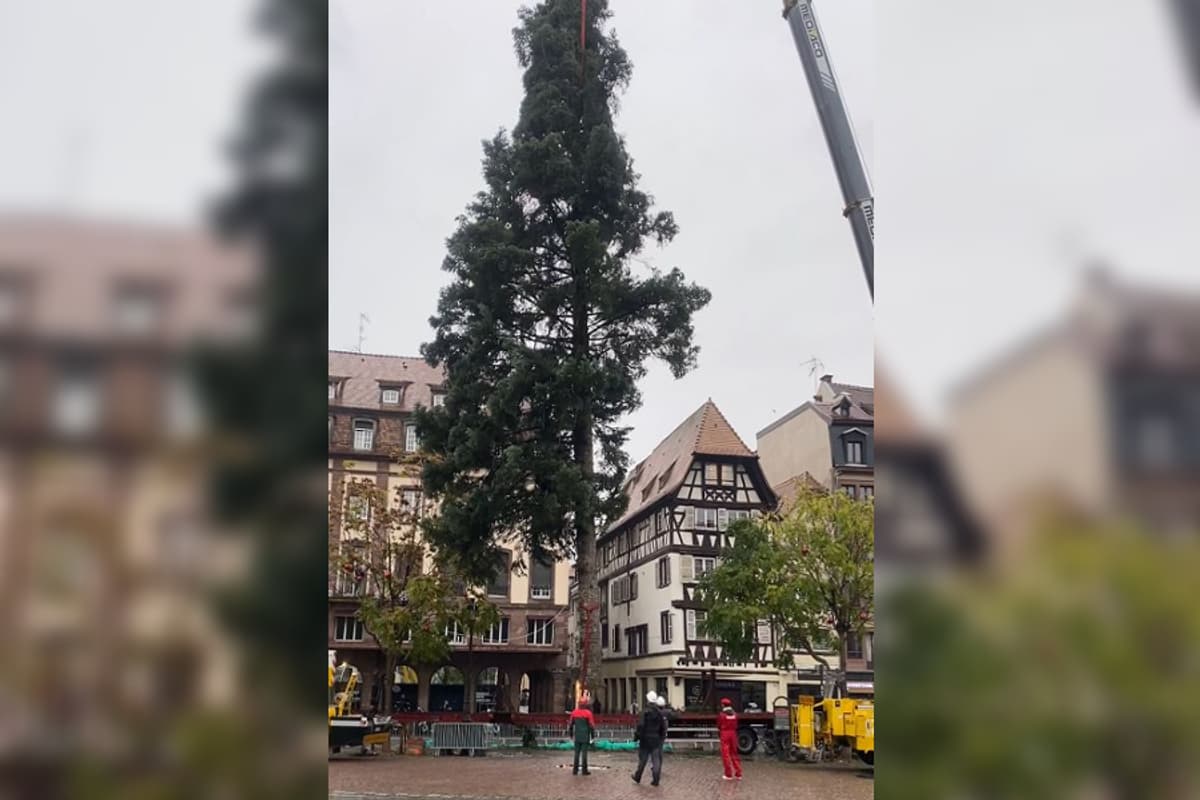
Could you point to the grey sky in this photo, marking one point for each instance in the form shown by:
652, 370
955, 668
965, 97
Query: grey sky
719, 123
119, 109
1012, 143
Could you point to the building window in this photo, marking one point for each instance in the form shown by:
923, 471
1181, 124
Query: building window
76, 405
364, 434
348, 629
727, 474
762, 631
694, 623
706, 519
616, 638
358, 508
138, 310
660, 687
391, 397
541, 581
693, 568
455, 634
604, 636
499, 584
663, 572
332, 390
711, 471
439, 399
868, 492
637, 641
854, 453
734, 516
665, 627
854, 646
633, 586
539, 631
411, 441
182, 410
410, 501
497, 634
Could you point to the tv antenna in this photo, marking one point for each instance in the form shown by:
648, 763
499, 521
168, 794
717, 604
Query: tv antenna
363, 319
816, 368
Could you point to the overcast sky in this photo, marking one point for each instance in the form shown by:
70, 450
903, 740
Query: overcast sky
1013, 142
119, 108
718, 121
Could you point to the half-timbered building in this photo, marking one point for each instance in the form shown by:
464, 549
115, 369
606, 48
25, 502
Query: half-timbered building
682, 499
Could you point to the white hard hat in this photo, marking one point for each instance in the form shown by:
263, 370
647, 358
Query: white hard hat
662, 702
651, 697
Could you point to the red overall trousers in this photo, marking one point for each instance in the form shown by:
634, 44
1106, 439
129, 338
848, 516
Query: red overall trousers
727, 725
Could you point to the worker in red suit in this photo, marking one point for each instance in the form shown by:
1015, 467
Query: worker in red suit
727, 727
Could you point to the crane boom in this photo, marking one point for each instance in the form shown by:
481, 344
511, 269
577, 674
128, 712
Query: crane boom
835, 123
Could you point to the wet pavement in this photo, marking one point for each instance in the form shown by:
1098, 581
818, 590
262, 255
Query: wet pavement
547, 776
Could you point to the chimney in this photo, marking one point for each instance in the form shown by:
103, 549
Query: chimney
826, 378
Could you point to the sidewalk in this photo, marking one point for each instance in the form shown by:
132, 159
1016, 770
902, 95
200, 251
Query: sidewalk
547, 776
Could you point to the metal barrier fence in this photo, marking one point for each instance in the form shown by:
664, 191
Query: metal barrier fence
471, 736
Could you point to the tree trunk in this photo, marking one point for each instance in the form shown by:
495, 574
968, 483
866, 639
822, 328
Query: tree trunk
389, 680
843, 651
470, 681
585, 518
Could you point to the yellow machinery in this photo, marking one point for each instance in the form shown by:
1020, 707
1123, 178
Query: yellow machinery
346, 729
820, 729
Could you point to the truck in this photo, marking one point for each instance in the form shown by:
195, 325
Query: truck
348, 729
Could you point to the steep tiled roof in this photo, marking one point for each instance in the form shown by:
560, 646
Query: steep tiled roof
862, 396
704, 432
366, 373
789, 490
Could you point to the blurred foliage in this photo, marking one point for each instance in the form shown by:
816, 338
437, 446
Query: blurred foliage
1071, 673
811, 573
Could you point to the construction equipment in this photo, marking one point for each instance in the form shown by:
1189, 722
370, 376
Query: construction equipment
820, 729
345, 728
839, 135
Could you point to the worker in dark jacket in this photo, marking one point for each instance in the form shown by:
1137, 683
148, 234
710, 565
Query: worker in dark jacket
583, 730
650, 732
727, 726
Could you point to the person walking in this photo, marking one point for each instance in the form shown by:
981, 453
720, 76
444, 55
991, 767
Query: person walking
650, 732
583, 730
727, 726
661, 702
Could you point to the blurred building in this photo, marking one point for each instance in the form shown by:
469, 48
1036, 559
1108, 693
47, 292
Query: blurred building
1098, 414
921, 521
371, 401
682, 498
105, 551
829, 439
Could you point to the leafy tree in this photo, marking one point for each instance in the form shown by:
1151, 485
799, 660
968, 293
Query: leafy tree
811, 574
546, 328
379, 558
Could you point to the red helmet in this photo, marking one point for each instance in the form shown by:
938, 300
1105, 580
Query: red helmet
725, 701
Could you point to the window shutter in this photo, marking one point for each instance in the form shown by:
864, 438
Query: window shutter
689, 617
722, 518
686, 571
689, 518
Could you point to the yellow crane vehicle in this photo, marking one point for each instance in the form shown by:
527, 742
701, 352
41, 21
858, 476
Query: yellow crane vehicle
820, 729
345, 728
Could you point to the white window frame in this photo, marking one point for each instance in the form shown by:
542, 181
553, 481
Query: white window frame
333, 390
857, 448
455, 634
663, 572
722, 519
693, 619
390, 397
497, 634
348, 629
539, 631
412, 442
704, 516
410, 501
368, 426
666, 627
439, 399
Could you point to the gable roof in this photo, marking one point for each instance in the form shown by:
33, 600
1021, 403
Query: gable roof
365, 373
789, 490
704, 432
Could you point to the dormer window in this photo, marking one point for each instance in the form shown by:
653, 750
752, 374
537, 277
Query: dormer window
439, 399
138, 310
390, 397
842, 409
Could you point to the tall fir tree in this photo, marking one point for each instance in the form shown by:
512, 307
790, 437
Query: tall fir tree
546, 328
265, 400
